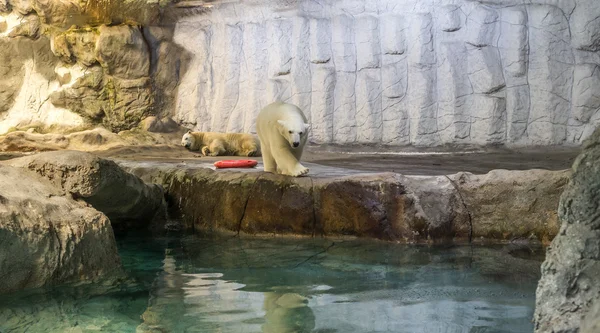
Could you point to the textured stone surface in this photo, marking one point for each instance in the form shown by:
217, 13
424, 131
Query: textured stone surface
47, 238
122, 52
411, 72
406, 72
124, 198
591, 321
97, 139
502, 205
77, 77
569, 284
513, 204
118, 92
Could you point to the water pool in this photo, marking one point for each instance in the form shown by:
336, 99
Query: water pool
286, 285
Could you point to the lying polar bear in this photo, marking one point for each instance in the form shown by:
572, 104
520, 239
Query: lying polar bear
222, 144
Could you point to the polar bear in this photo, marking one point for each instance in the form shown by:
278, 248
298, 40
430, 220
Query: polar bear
215, 144
283, 130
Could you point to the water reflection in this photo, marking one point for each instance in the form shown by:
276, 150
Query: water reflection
233, 285
181, 302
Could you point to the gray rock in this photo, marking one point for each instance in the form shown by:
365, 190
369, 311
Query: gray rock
482, 26
586, 98
570, 274
591, 321
585, 29
123, 197
550, 75
450, 18
513, 204
47, 238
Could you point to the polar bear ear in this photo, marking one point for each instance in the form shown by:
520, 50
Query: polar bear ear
282, 123
189, 131
306, 126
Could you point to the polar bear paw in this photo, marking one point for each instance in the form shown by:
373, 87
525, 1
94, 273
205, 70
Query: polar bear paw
297, 172
205, 151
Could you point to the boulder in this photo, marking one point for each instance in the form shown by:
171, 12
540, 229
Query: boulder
123, 52
47, 238
157, 125
26, 142
511, 204
570, 281
123, 197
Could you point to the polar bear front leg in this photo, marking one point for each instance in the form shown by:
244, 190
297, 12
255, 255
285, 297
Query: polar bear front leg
205, 151
268, 161
249, 149
288, 164
217, 148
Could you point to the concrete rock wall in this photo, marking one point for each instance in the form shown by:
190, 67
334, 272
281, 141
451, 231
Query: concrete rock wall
424, 72
68, 64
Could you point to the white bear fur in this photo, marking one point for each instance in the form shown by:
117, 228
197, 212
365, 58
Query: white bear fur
218, 144
280, 126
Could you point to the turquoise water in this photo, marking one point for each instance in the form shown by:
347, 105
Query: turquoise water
286, 285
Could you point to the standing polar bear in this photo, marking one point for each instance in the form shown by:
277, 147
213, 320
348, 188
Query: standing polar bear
282, 129
215, 144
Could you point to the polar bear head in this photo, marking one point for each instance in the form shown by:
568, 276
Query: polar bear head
187, 140
293, 132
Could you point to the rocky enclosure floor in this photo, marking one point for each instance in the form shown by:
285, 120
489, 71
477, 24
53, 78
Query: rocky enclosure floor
407, 161
408, 196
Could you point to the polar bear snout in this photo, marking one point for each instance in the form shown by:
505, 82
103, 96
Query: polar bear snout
295, 144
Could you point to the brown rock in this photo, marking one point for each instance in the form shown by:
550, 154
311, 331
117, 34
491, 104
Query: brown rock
499, 206
85, 97
156, 125
82, 44
5, 6
132, 12
29, 27
280, 205
27, 142
123, 52
375, 206
46, 238
210, 201
129, 101
22, 7
62, 13
12, 74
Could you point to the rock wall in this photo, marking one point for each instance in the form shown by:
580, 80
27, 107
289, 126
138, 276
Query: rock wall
423, 72
568, 292
420, 72
68, 64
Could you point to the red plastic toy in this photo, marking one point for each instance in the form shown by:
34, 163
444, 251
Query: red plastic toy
235, 164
